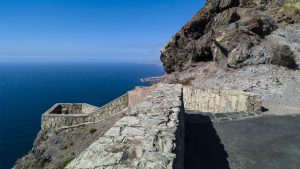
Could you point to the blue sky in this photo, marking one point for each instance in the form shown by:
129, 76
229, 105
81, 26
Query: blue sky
89, 30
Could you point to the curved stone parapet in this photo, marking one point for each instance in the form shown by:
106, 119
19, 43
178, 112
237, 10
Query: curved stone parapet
151, 135
71, 114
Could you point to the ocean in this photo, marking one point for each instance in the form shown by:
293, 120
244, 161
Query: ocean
28, 89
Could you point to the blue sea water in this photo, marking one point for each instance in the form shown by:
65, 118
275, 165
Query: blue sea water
28, 90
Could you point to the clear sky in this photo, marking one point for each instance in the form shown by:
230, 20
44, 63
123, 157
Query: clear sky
89, 30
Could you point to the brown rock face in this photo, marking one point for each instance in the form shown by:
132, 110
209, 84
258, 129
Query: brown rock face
229, 32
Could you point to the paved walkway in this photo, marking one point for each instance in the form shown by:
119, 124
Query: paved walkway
259, 142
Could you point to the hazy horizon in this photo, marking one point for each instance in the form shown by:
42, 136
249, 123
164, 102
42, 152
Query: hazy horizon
90, 31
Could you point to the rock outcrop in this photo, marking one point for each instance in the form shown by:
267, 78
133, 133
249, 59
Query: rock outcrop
230, 32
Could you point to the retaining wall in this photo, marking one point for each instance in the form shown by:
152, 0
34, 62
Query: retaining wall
151, 135
53, 121
220, 101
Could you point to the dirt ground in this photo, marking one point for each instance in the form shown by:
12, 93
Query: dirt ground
56, 150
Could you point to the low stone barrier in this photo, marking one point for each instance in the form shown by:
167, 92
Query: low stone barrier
109, 109
70, 114
220, 101
151, 135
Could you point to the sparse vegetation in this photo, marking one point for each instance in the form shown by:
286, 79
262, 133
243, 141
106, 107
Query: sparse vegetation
293, 6
65, 147
66, 162
92, 131
283, 56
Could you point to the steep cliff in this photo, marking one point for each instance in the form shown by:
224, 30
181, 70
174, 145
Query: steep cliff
233, 33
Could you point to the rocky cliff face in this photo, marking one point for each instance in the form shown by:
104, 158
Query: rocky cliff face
233, 33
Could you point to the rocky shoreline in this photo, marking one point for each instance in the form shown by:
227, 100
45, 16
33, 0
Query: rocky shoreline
153, 80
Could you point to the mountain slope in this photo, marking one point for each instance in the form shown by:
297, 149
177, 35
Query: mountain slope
233, 33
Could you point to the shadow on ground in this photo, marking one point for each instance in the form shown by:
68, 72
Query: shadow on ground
204, 149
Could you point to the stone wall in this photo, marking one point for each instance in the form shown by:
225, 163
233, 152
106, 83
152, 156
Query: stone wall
111, 108
220, 101
151, 135
53, 119
72, 108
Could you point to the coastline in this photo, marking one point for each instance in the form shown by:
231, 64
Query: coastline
154, 79
56, 83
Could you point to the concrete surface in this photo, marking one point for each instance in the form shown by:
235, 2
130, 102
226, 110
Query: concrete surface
261, 142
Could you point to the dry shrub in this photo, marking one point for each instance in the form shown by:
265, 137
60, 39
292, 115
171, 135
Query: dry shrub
92, 131
283, 56
293, 6
65, 163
